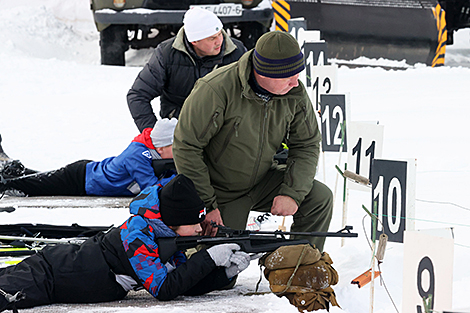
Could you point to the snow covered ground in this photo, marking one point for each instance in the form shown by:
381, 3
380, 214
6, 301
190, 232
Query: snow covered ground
59, 105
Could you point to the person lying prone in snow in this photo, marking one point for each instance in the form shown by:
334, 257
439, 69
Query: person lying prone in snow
136, 168
108, 265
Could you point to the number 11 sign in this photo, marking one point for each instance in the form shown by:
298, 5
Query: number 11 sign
365, 142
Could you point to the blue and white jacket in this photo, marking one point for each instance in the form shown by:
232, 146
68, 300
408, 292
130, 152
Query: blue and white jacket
124, 175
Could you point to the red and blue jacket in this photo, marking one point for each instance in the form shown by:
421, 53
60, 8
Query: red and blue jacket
139, 234
179, 276
126, 174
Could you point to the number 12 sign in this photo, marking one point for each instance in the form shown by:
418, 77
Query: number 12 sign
333, 117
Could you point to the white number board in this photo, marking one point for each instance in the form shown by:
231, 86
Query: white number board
298, 29
318, 77
334, 115
321, 81
365, 142
393, 197
427, 272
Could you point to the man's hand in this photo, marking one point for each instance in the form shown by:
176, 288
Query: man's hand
212, 216
283, 206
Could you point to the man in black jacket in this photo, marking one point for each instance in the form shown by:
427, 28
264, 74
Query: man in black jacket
200, 46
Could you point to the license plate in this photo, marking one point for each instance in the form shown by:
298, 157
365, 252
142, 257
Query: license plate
223, 9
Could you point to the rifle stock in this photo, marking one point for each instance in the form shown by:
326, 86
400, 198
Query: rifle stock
249, 241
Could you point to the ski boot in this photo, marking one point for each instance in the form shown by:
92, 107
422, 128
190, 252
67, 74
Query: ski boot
12, 169
3, 157
8, 301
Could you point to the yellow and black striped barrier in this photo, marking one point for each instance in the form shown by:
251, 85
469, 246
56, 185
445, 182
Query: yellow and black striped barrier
440, 16
281, 14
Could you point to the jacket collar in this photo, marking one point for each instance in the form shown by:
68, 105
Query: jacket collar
179, 44
145, 138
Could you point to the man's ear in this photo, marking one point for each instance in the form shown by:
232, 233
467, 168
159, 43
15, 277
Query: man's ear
159, 150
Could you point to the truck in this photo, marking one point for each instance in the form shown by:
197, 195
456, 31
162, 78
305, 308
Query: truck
140, 24
413, 30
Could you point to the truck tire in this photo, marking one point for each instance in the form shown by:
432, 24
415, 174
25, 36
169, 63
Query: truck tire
113, 44
250, 32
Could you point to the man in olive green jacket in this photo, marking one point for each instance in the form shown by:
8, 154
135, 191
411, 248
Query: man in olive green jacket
232, 124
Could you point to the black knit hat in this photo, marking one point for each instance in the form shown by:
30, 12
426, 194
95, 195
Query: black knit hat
277, 55
180, 203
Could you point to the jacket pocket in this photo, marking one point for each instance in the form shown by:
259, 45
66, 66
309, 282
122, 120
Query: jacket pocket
212, 123
233, 131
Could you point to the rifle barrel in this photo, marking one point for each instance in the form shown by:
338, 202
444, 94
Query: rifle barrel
345, 232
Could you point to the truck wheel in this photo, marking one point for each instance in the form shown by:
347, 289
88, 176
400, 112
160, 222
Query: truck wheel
114, 43
250, 32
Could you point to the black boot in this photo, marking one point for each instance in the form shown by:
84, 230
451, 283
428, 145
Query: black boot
12, 169
1, 149
3, 157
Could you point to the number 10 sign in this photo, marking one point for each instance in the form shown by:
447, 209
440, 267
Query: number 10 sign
393, 197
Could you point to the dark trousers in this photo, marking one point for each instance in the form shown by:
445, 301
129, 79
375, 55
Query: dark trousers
63, 273
314, 213
66, 181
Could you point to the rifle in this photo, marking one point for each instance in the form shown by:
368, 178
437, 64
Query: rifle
249, 241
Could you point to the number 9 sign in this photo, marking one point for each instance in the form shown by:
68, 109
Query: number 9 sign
428, 258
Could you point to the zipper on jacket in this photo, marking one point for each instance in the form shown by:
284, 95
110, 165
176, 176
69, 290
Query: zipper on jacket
211, 122
289, 173
309, 127
288, 131
260, 152
233, 130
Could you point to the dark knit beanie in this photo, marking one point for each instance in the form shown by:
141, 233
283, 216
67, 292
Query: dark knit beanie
180, 203
277, 55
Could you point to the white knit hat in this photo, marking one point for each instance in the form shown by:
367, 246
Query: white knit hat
162, 132
200, 23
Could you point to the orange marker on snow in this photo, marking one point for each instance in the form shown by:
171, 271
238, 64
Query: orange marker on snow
364, 278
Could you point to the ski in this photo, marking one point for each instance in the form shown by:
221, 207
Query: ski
28, 239
51, 231
12, 252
